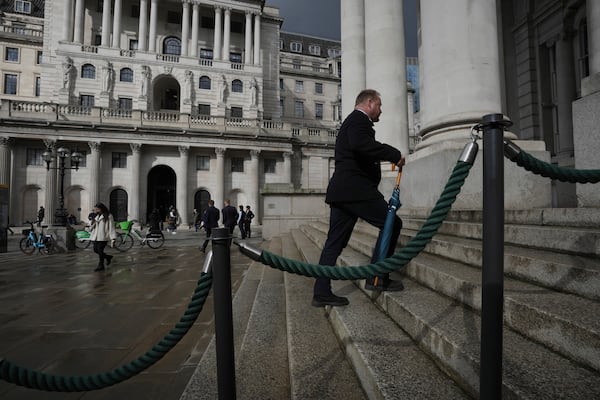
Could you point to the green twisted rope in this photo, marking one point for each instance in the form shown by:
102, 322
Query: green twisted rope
396, 261
53, 383
532, 164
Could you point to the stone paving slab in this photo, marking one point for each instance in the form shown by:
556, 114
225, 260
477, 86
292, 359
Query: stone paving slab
59, 316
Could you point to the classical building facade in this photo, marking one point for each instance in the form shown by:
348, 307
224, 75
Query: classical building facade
170, 102
537, 62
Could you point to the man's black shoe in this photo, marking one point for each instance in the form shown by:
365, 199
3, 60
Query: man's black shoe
384, 285
330, 300
108, 260
99, 268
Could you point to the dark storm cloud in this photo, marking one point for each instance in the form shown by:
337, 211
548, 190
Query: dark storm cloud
321, 18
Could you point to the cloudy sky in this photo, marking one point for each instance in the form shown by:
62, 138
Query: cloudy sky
322, 18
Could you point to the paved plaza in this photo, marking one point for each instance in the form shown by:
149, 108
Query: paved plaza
60, 317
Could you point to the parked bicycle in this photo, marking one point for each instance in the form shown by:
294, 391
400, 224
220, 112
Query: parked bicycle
44, 243
154, 239
82, 238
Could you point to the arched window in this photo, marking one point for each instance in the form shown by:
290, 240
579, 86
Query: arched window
88, 71
204, 82
118, 204
172, 45
126, 75
237, 86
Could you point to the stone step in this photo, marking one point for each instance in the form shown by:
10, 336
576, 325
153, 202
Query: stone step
562, 272
387, 362
318, 366
564, 322
449, 332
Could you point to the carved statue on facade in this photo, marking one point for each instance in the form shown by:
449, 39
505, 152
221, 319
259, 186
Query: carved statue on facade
107, 77
67, 70
222, 89
253, 92
146, 74
189, 77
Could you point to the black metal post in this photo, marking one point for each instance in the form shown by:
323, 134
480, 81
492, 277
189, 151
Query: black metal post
492, 296
221, 267
60, 215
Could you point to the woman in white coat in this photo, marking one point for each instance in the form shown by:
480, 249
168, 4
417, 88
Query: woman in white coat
103, 231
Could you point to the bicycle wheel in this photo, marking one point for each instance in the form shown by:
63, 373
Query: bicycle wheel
82, 243
26, 245
155, 240
49, 246
124, 242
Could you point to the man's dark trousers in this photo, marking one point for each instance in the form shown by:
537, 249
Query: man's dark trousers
343, 217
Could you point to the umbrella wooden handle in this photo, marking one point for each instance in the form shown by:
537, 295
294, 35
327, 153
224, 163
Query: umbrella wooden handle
399, 174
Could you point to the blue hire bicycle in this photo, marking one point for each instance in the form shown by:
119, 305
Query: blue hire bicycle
44, 243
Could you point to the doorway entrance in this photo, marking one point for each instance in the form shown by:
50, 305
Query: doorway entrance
161, 190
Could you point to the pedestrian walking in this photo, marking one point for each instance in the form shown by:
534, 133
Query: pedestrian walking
241, 222
102, 231
41, 214
352, 193
210, 220
230, 216
173, 218
249, 217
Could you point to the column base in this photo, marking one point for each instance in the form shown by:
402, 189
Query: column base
427, 171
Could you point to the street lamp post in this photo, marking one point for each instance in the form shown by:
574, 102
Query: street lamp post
62, 153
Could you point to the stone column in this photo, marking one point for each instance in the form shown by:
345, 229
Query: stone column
218, 33
248, 39
116, 39
287, 166
4, 160
219, 195
68, 28
94, 167
257, 39
106, 24
460, 83
254, 181
185, 28
195, 28
50, 201
226, 34
134, 195
182, 185
384, 40
593, 23
143, 25
153, 18
79, 21
352, 14
565, 92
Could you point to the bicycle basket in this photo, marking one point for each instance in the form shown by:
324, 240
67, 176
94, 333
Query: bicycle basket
126, 225
82, 235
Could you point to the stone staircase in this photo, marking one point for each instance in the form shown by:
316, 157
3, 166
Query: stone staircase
423, 342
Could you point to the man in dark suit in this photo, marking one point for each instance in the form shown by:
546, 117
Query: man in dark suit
352, 192
210, 219
230, 216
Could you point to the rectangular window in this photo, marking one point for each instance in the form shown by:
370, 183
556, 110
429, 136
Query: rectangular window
119, 160
281, 44
39, 57
204, 109
35, 157
173, 17
316, 67
298, 109
206, 54
12, 54
23, 7
207, 22
10, 84
38, 86
97, 40
269, 165
135, 11
237, 112
100, 5
318, 110
318, 88
299, 87
86, 100
281, 84
202, 163
237, 27
314, 49
237, 164
296, 47
282, 106
296, 64
18, 28
235, 57
133, 44
125, 103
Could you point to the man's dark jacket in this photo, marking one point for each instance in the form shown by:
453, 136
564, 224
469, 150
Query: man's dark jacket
357, 161
230, 216
211, 217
